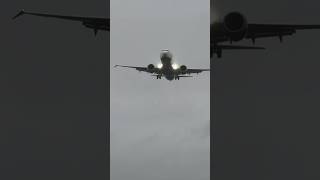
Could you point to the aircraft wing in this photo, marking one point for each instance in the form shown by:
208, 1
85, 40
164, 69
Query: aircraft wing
196, 71
184, 76
256, 31
73, 18
275, 30
144, 69
218, 48
90, 22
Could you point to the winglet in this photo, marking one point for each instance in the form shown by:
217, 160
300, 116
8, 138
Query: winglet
22, 12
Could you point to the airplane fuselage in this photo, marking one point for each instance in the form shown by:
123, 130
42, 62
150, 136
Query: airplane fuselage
167, 70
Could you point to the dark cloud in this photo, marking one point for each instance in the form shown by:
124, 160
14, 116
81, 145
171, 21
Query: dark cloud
53, 93
265, 103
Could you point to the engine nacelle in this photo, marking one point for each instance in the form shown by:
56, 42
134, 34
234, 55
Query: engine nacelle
150, 67
183, 69
236, 26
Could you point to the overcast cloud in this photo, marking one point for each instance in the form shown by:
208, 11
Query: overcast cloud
159, 129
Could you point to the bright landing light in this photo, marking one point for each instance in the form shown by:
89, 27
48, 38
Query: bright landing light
175, 66
159, 65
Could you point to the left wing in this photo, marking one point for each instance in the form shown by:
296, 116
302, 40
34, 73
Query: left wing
254, 31
275, 30
89, 22
196, 71
144, 69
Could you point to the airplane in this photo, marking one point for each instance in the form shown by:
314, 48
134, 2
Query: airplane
234, 27
90, 22
168, 69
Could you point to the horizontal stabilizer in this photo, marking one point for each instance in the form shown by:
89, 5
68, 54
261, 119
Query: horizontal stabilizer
234, 47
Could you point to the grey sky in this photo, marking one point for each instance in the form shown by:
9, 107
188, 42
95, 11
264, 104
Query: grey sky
159, 129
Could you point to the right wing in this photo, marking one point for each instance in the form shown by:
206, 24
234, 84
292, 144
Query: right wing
275, 30
144, 69
89, 22
195, 71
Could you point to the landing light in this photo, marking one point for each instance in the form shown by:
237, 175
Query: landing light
175, 66
159, 65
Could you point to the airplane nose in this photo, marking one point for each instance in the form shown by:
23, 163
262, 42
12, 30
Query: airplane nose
163, 55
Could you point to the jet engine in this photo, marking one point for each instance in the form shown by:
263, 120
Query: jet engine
183, 69
151, 67
235, 25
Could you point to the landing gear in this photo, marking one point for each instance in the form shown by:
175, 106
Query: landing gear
219, 52
176, 78
280, 38
158, 76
